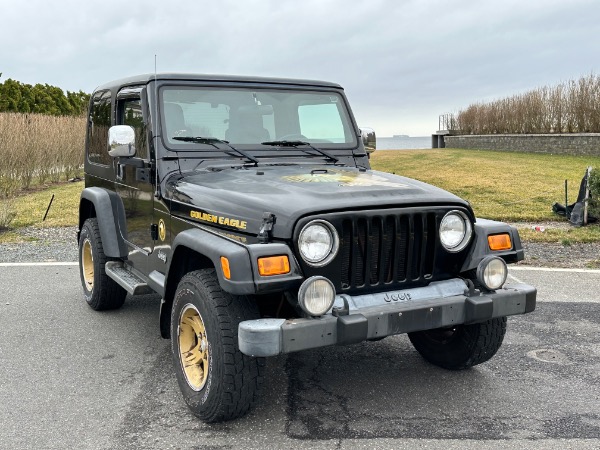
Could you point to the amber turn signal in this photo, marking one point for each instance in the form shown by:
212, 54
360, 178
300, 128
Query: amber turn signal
499, 242
273, 265
225, 268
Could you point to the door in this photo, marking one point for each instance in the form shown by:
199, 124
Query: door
133, 181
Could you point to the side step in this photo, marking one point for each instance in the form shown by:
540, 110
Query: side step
127, 279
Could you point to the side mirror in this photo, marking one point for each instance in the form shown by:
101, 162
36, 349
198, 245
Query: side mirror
121, 140
369, 140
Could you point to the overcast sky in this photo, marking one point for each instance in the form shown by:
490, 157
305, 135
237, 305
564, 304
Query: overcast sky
402, 63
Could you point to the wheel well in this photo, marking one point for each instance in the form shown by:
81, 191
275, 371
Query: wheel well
184, 260
86, 210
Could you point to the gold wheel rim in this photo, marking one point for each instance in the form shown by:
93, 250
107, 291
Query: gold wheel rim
87, 262
193, 347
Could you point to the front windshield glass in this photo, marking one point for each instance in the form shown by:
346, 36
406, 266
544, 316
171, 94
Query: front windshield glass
252, 116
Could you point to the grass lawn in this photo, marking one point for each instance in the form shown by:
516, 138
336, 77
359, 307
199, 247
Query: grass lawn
31, 207
513, 187
507, 186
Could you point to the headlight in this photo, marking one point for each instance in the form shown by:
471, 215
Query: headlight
318, 243
492, 272
455, 231
316, 295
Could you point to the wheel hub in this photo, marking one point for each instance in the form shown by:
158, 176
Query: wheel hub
87, 263
193, 347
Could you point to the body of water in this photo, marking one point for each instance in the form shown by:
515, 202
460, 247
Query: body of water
403, 143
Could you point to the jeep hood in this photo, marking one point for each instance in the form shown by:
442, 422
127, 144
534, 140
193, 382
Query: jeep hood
237, 198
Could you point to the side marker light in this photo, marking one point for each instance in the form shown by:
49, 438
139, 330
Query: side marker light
225, 267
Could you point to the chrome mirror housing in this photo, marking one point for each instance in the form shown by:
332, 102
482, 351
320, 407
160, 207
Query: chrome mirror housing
369, 140
121, 141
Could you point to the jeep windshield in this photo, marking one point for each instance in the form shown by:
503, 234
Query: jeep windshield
248, 117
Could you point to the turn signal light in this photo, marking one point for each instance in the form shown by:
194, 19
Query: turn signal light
500, 241
273, 265
225, 268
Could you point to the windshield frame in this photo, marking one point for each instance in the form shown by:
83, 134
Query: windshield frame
347, 119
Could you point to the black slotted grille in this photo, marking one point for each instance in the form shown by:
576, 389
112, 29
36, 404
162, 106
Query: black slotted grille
384, 249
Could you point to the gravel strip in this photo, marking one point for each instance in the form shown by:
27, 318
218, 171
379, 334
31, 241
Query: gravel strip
579, 256
59, 244
42, 245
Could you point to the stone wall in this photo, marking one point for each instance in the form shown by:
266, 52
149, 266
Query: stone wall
572, 144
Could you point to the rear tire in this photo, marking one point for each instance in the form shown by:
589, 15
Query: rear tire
217, 381
462, 346
100, 291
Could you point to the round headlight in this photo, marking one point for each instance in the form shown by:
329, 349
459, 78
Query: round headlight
492, 272
318, 243
316, 295
455, 231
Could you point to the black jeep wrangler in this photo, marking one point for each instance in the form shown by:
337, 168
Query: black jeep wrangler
249, 205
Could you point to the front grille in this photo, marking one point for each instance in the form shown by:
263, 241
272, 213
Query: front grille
388, 249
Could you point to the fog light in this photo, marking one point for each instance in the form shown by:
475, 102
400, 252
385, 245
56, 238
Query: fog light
492, 272
316, 295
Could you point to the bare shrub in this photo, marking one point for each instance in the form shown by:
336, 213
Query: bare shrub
37, 148
7, 213
594, 181
570, 107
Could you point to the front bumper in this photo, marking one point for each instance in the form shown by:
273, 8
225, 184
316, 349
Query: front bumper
441, 304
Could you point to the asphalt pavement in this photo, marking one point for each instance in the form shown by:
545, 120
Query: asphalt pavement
71, 377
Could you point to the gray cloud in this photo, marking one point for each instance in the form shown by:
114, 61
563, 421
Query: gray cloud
402, 62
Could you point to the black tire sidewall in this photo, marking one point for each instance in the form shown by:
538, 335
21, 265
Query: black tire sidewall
206, 401
471, 345
87, 233
455, 352
106, 294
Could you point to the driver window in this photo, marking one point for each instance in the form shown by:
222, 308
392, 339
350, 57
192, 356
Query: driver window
130, 113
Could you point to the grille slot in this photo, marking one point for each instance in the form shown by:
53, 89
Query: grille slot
388, 249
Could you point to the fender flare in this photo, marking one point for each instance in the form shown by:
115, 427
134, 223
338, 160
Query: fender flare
111, 219
214, 247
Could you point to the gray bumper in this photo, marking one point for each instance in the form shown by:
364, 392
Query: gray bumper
441, 304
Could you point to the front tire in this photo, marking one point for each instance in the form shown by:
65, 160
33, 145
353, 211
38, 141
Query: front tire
217, 381
462, 346
100, 291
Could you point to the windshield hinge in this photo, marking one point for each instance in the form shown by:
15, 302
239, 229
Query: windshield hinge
264, 235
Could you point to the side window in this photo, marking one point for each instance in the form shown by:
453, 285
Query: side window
130, 113
99, 123
322, 122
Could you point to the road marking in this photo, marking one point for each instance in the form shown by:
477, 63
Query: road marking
47, 263
554, 269
515, 279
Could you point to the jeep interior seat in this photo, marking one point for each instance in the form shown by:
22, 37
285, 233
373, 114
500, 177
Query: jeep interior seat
246, 127
174, 119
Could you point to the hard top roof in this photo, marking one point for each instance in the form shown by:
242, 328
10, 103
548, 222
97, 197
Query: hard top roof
146, 78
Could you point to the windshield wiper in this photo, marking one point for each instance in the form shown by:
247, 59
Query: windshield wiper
298, 143
212, 141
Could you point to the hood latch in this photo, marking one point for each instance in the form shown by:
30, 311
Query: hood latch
264, 235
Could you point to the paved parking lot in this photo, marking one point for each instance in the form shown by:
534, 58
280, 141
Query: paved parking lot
74, 378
